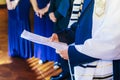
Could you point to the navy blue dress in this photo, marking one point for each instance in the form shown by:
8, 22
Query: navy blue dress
18, 20
44, 27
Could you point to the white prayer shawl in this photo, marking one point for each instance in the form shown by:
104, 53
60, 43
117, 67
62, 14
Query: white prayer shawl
104, 44
77, 6
98, 70
105, 34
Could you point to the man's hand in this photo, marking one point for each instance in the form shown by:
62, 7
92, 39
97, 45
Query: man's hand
63, 53
54, 38
52, 17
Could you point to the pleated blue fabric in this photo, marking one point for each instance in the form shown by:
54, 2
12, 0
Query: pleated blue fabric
44, 27
18, 20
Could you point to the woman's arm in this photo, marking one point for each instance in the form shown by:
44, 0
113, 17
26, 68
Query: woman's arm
34, 5
39, 12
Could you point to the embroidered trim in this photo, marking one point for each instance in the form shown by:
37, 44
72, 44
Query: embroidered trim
100, 7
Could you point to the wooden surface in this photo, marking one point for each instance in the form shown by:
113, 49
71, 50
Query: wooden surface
16, 68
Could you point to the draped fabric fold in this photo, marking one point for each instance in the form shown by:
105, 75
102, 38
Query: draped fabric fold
63, 8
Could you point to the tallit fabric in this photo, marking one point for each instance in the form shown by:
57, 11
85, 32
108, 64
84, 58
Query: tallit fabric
98, 70
104, 44
76, 11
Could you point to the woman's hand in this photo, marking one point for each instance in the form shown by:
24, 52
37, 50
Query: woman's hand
12, 4
39, 12
52, 17
9, 5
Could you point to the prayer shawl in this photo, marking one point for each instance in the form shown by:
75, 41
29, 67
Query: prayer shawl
76, 11
100, 42
98, 70
97, 38
103, 45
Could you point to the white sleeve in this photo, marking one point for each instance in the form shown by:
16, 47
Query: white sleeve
105, 42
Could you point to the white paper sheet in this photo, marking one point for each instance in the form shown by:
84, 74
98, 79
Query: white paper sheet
43, 40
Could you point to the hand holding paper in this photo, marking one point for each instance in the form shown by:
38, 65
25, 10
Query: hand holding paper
43, 40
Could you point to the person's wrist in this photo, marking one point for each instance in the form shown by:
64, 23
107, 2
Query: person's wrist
36, 9
46, 9
48, 5
16, 1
